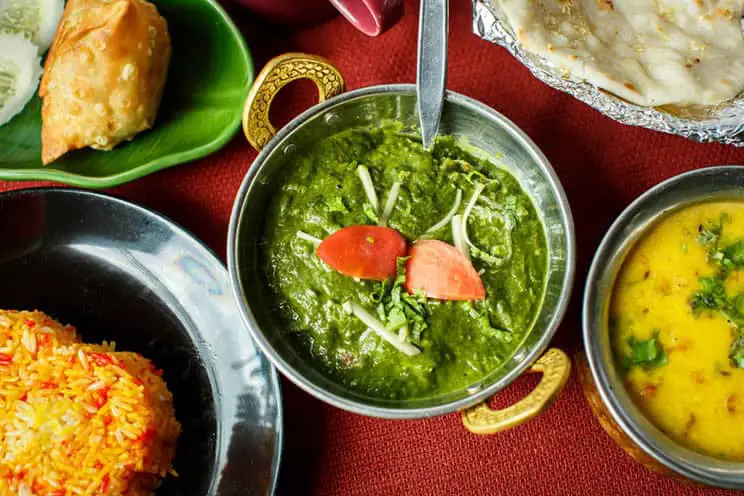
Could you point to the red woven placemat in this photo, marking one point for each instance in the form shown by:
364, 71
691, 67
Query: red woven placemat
603, 166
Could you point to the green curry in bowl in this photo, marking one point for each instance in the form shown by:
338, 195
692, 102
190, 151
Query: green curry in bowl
402, 273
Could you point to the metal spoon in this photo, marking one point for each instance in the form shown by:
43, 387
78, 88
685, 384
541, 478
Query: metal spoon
431, 67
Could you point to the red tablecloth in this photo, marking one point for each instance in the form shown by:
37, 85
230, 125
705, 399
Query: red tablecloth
603, 166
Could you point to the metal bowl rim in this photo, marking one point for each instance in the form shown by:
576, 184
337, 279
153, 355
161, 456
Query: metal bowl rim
185, 233
597, 365
356, 406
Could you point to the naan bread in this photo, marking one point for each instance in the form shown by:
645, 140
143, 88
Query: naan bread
649, 52
104, 76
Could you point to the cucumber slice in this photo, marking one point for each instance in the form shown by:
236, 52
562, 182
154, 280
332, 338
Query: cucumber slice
37, 20
20, 70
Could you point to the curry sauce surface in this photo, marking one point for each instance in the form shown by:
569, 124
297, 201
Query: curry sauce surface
697, 395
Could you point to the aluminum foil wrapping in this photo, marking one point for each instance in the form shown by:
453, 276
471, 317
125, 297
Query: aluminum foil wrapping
723, 123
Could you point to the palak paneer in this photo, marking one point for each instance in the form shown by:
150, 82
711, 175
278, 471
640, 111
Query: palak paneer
401, 272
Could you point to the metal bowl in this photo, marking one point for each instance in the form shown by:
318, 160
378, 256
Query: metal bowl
484, 129
709, 184
119, 272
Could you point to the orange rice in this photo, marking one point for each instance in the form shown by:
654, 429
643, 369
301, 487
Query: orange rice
79, 419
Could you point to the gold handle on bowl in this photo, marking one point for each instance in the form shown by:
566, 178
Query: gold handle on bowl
277, 73
555, 367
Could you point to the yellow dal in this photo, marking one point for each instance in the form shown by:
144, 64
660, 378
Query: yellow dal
698, 397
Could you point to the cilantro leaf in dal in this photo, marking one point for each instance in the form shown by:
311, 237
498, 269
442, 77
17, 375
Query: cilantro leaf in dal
737, 351
712, 293
646, 353
734, 255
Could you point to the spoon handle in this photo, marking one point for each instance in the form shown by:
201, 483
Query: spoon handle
431, 69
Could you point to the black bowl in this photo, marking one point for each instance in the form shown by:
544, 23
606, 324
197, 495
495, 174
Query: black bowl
119, 272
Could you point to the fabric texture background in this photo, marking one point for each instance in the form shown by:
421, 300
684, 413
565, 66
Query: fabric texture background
603, 166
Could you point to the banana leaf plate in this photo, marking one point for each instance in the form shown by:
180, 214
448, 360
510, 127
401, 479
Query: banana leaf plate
209, 76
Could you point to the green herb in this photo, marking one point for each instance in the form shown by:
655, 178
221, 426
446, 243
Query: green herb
479, 313
400, 270
474, 176
733, 255
379, 291
737, 306
737, 351
712, 293
486, 257
370, 212
709, 234
711, 296
396, 319
396, 308
647, 354
336, 204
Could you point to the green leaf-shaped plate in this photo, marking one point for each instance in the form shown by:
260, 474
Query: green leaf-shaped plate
209, 77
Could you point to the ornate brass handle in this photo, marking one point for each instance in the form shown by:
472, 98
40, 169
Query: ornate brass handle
279, 72
555, 367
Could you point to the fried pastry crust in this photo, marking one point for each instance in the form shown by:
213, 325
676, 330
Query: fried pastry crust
104, 75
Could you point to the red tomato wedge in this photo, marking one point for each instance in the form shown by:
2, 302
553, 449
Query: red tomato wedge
441, 271
366, 252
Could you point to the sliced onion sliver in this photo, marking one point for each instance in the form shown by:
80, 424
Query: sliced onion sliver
447, 218
484, 255
309, 238
457, 238
390, 203
369, 187
469, 208
373, 323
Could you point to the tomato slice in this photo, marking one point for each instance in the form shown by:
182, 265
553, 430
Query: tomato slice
441, 271
366, 252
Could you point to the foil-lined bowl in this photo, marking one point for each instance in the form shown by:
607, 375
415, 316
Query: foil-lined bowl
722, 123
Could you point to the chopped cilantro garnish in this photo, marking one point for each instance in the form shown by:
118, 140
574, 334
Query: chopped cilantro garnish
711, 296
370, 212
709, 234
647, 353
336, 204
396, 319
396, 308
712, 293
737, 351
733, 255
